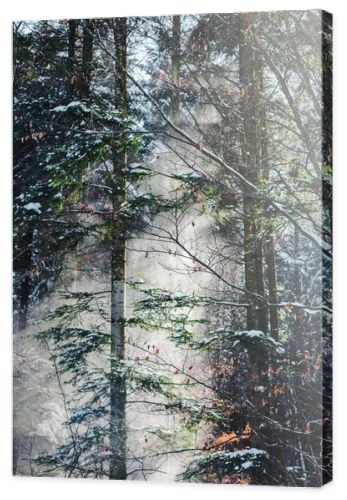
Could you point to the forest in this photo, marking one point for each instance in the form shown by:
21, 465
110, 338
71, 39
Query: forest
172, 264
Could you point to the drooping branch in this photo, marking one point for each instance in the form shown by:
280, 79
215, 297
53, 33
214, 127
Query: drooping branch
219, 161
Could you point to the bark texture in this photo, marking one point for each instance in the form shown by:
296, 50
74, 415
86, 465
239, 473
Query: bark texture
118, 270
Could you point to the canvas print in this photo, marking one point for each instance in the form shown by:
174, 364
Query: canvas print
172, 248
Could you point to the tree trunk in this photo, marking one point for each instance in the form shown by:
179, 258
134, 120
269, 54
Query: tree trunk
270, 261
268, 243
25, 280
118, 273
71, 54
176, 66
87, 56
250, 145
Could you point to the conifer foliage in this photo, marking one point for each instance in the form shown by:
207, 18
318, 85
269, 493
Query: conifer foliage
172, 247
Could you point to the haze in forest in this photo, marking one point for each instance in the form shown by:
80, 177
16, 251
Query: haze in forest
172, 248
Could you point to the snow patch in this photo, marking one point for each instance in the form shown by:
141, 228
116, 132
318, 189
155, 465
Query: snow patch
73, 104
36, 207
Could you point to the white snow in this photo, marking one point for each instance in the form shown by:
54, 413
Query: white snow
252, 333
247, 464
73, 104
33, 206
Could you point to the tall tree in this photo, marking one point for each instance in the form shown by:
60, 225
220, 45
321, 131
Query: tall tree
251, 158
72, 36
175, 65
87, 57
268, 229
118, 263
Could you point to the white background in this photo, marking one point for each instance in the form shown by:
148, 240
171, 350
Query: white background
40, 488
